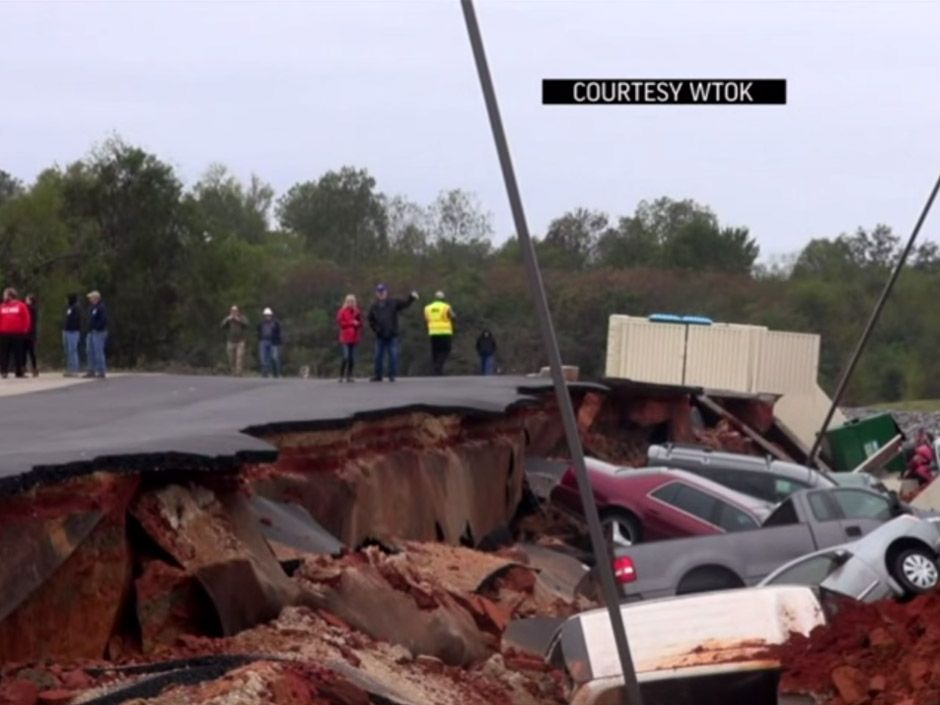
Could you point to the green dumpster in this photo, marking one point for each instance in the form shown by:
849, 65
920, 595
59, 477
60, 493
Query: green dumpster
850, 444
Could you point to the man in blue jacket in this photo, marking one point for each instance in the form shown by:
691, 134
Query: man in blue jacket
97, 336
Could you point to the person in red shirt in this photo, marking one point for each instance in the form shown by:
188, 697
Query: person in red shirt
349, 320
15, 324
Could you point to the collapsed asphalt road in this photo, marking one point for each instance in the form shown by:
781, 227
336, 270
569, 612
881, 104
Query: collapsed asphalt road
144, 421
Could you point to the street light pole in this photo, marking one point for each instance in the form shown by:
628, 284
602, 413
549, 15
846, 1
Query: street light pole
631, 692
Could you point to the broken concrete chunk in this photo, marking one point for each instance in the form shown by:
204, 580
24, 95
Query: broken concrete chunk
170, 602
387, 605
219, 543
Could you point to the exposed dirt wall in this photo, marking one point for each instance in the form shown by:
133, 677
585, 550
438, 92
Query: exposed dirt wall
413, 476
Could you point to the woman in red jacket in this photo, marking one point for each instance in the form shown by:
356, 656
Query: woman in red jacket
349, 320
14, 327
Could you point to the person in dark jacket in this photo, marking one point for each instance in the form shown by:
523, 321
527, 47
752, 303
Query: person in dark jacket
30, 342
383, 319
486, 349
269, 344
14, 327
97, 338
71, 335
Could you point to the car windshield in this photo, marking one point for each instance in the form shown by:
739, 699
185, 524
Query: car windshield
811, 571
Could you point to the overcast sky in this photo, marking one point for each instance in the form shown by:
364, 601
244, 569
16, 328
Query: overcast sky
291, 89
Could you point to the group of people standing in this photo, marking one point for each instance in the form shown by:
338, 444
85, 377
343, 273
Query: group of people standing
382, 319
19, 322
19, 325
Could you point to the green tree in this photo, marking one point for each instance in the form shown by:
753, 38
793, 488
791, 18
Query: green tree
457, 218
129, 203
678, 235
825, 258
628, 245
9, 187
407, 227
230, 209
340, 216
571, 240
34, 238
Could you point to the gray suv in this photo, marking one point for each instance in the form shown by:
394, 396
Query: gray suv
764, 478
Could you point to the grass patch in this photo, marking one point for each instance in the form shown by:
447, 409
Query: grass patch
911, 405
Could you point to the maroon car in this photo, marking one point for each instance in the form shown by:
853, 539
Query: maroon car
650, 504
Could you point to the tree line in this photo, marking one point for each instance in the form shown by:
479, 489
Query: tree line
170, 260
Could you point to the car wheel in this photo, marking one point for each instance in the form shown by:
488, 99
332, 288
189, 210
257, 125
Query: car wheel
916, 570
708, 580
620, 528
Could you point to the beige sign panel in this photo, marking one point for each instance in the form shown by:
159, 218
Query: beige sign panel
719, 357
645, 352
788, 363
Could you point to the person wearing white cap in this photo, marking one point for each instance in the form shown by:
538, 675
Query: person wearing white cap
440, 319
97, 336
269, 344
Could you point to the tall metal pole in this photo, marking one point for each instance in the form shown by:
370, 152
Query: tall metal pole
866, 334
631, 694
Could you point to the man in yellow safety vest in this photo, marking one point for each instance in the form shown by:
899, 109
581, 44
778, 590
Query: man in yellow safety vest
440, 318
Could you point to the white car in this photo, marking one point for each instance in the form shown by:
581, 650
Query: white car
898, 559
706, 649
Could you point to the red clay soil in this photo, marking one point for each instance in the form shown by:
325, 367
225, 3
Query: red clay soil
881, 654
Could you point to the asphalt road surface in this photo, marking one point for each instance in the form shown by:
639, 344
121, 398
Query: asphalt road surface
150, 422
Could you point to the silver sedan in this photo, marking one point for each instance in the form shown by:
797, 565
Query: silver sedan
898, 559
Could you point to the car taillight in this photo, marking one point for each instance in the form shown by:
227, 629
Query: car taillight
624, 570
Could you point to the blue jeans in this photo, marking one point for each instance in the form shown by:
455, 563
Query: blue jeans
70, 343
95, 344
487, 364
270, 355
383, 347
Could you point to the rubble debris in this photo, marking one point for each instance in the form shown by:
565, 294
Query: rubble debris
448, 602
267, 683
381, 596
216, 539
723, 436
884, 653
550, 527
170, 603
298, 658
388, 670
557, 571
